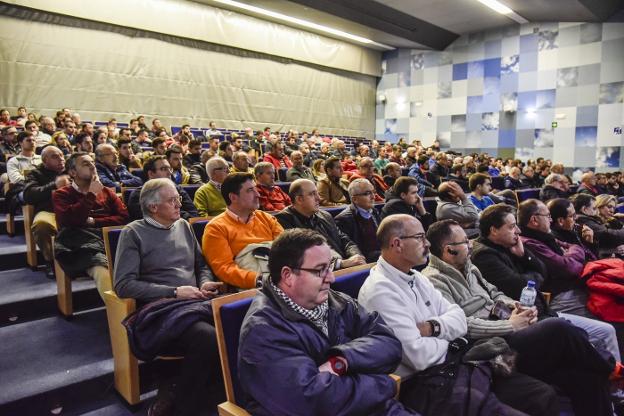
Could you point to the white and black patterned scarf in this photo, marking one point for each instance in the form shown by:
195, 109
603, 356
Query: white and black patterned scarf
318, 315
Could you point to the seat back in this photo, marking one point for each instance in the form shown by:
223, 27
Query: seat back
281, 174
111, 241
139, 173
430, 206
349, 281
229, 313
198, 225
285, 186
334, 210
498, 182
524, 194
125, 193
190, 190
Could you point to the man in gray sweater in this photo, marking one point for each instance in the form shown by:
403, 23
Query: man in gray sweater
158, 257
541, 346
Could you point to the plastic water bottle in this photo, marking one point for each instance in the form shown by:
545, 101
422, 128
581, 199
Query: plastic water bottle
527, 298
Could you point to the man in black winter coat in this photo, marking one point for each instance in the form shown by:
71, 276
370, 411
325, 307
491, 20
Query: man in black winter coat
304, 213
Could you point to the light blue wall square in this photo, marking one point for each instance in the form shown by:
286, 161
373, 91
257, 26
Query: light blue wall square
589, 74
475, 104
475, 69
587, 116
509, 82
528, 43
445, 73
491, 103
473, 121
528, 62
493, 48
507, 138
566, 97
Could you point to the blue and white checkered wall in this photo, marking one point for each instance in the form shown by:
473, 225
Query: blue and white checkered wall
502, 91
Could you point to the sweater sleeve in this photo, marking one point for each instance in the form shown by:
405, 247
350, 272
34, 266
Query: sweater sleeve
219, 256
118, 211
201, 201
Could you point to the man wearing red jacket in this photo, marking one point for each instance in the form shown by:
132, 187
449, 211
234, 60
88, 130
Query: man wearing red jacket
277, 158
272, 198
82, 209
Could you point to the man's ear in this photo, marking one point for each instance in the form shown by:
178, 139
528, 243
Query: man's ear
287, 276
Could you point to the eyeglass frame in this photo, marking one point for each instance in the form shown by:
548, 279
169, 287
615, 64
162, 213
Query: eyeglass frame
417, 237
367, 193
319, 273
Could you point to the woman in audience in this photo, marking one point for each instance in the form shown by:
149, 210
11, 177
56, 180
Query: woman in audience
318, 169
59, 139
605, 204
610, 241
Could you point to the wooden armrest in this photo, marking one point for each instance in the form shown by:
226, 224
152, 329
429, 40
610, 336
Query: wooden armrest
230, 409
547, 296
119, 305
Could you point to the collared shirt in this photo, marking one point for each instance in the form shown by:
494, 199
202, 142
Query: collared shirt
239, 219
318, 315
215, 184
75, 186
151, 221
365, 213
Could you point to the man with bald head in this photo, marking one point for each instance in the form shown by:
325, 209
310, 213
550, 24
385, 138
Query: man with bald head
39, 184
298, 170
44, 136
112, 173
305, 213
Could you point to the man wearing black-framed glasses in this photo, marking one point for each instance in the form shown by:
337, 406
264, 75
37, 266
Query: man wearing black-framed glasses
305, 349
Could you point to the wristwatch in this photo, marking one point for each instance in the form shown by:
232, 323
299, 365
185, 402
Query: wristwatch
337, 365
175, 292
435, 327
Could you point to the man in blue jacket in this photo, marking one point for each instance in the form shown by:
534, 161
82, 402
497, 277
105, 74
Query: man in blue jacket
112, 173
307, 350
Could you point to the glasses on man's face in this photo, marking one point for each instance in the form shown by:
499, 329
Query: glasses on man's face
459, 243
174, 200
543, 215
165, 169
417, 237
367, 194
322, 272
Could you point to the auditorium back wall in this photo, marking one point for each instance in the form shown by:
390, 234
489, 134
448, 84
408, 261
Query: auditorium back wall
552, 90
49, 61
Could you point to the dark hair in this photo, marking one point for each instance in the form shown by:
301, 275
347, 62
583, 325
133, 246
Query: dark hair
289, 249
422, 159
233, 184
581, 201
483, 168
224, 145
558, 208
526, 210
194, 143
22, 135
141, 131
173, 149
73, 159
458, 167
185, 125
494, 216
158, 141
402, 185
444, 192
331, 163
150, 164
123, 141
80, 137
438, 234
477, 179
28, 123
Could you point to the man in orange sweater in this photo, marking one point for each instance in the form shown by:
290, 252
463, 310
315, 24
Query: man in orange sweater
241, 224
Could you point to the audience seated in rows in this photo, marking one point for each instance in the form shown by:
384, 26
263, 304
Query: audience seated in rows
481, 185
306, 349
208, 198
506, 263
588, 184
240, 163
158, 167
81, 210
555, 186
240, 225
272, 198
564, 357
359, 221
39, 185
393, 172
610, 240
159, 259
277, 158
305, 212
332, 188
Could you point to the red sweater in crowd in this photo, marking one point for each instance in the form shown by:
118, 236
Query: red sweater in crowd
284, 162
72, 208
272, 198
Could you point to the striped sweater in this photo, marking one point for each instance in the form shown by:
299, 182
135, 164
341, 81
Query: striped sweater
475, 299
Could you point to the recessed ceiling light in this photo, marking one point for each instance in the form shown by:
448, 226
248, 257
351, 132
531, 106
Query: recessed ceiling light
302, 22
504, 10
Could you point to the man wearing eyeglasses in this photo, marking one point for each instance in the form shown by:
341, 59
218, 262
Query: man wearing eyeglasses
504, 261
112, 173
305, 213
158, 167
490, 313
208, 198
360, 220
307, 350
159, 259
555, 186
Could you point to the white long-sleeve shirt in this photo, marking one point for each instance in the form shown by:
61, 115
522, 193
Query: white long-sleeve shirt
405, 299
19, 164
